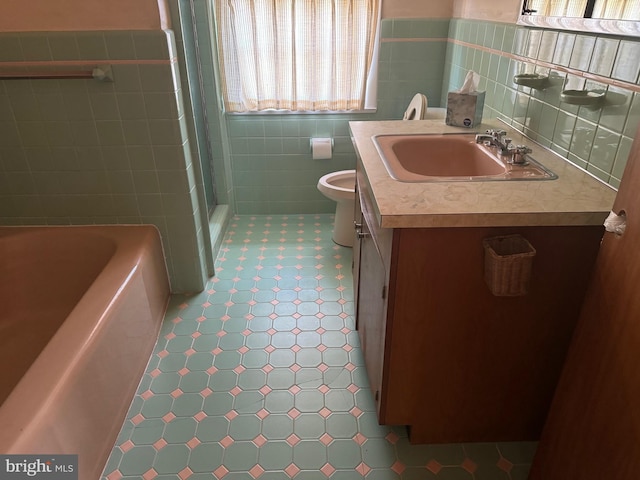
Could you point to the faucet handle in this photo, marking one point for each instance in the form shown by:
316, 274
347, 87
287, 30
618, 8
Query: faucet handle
519, 155
496, 133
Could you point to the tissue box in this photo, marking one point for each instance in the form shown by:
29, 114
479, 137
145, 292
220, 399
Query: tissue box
464, 109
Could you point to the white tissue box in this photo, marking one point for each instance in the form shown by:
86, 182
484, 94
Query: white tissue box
464, 109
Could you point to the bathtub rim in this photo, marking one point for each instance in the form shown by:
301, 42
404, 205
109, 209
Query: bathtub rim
55, 366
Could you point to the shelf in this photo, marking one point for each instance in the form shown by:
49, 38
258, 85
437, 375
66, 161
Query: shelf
532, 80
583, 97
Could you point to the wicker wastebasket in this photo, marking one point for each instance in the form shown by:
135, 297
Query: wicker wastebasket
508, 261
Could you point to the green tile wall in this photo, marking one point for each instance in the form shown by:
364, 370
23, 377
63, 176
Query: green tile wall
596, 139
270, 158
87, 152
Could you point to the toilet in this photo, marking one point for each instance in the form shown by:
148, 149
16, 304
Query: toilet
341, 188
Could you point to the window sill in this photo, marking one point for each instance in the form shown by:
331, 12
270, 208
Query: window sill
283, 112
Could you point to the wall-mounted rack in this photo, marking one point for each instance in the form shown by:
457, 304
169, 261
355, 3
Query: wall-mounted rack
102, 74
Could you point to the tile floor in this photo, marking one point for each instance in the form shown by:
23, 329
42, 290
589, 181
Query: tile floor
261, 376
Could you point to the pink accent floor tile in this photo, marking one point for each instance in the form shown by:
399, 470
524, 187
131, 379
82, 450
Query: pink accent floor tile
126, 446
205, 392
220, 472
504, 465
160, 444
256, 471
434, 467
226, 441
193, 443
293, 413
185, 473
139, 418
327, 469
293, 439
359, 438
469, 465
146, 395
398, 467
265, 390
168, 417
295, 389
260, 440
149, 474
324, 412
355, 411
292, 470
363, 469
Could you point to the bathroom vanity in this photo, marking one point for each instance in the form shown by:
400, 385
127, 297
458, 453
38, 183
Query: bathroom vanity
444, 355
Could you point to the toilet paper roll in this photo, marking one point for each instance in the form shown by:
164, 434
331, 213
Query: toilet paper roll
321, 148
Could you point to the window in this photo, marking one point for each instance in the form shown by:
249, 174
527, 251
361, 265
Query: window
296, 55
623, 9
615, 9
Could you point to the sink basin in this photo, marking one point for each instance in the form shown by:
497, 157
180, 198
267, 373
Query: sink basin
450, 157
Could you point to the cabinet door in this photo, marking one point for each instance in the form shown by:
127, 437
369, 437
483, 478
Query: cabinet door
371, 310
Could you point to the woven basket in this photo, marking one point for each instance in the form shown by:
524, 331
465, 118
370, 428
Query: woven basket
507, 264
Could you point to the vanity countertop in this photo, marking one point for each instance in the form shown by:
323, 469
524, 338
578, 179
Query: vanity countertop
574, 198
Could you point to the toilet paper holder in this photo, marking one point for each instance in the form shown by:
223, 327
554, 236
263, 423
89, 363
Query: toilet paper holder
321, 148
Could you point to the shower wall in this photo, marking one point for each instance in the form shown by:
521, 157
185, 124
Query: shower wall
89, 152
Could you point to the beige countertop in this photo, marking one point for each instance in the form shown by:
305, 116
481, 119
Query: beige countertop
574, 198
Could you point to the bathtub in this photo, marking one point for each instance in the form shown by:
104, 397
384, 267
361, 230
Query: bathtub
80, 312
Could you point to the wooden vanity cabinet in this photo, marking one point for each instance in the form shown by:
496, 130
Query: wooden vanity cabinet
444, 355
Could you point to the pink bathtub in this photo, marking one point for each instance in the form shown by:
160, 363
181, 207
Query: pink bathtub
80, 311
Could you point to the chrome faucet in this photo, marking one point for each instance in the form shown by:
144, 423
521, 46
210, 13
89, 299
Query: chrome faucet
496, 138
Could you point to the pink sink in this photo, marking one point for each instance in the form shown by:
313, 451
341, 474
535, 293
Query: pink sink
433, 158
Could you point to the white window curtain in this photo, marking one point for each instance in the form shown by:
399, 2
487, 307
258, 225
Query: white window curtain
559, 8
622, 9
296, 55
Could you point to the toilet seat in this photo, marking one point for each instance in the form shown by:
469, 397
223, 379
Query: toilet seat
339, 185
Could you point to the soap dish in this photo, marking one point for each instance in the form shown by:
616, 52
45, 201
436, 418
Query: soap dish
582, 97
533, 80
